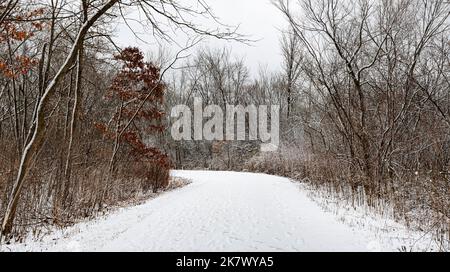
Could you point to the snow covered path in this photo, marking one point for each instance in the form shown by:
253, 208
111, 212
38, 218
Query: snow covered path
219, 211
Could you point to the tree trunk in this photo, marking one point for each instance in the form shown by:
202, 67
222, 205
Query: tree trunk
73, 123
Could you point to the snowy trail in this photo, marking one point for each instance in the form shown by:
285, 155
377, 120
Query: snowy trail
219, 211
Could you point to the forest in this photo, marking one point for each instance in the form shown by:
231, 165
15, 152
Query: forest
364, 97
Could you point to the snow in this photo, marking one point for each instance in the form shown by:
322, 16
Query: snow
225, 211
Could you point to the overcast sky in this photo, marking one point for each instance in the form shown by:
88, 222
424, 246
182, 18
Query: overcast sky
257, 18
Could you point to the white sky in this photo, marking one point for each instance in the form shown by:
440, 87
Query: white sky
257, 18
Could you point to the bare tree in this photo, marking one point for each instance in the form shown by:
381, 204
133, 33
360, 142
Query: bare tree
292, 57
